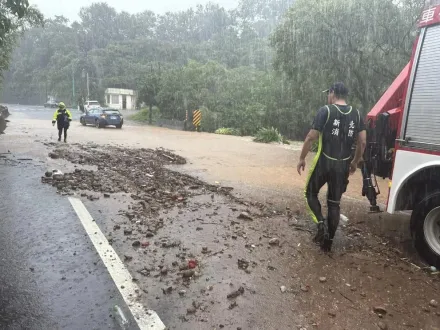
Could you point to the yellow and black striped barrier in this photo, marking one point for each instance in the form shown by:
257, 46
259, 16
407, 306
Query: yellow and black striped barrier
197, 118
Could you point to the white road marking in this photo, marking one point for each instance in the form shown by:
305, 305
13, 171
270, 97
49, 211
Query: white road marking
146, 319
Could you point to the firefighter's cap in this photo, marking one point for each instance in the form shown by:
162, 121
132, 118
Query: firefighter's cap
338, 88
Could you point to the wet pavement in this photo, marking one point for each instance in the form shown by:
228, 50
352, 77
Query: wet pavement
51, 276
37, 112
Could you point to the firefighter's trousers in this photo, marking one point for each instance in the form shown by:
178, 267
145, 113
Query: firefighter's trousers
335, 173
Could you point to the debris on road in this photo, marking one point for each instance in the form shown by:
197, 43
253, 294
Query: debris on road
192, 264
274, 241
236, 293
233, 305
344, 219
57, 175
304, 288
332, 313
54, 155
191, 310
188, 273
380, 310
382, 326
245, 216
170, 244
243, 264
283, 289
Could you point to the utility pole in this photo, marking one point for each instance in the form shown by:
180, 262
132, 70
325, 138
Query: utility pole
154, 81
73, 85
150, 117
88, 90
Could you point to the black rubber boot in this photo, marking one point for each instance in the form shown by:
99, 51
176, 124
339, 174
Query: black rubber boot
326, 245
321, 234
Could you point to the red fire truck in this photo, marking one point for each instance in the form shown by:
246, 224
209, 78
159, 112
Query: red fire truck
403, 135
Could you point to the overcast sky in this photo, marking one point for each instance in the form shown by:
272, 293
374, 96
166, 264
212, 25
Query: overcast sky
70, 8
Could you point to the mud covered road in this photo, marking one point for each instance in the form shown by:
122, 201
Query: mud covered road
214, 233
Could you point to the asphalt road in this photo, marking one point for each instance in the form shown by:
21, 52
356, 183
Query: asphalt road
37, 112
51, 276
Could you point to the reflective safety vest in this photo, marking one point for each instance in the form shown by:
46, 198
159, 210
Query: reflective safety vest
340, 131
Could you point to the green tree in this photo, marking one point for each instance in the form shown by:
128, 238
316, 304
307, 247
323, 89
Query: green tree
15, 16
365, 44
150, 83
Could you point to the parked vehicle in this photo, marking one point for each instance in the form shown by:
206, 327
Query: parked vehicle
4, 113
403, 141
101, 117
51, 104
89, 105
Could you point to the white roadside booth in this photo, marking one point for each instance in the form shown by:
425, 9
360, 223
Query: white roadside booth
121, 99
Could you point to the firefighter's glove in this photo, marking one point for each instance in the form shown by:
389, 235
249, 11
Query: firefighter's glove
53, 122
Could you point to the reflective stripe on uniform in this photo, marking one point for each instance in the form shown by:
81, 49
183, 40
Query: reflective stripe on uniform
344, 113
328, 114
327, 156
311, 170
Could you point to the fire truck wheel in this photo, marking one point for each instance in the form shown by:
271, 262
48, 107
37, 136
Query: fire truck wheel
426, 224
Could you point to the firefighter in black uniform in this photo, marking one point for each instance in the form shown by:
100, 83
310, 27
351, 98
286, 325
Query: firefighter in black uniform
337, 126
62, 117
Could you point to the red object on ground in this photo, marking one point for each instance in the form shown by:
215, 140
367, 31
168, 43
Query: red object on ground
145, 244
192, 264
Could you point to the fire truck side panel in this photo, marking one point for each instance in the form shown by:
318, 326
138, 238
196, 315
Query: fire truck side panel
421, 117
414, 175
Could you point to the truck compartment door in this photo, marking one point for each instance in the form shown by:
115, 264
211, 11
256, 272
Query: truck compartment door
422, 109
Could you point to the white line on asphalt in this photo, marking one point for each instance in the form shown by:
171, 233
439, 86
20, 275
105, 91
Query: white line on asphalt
146, 319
